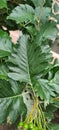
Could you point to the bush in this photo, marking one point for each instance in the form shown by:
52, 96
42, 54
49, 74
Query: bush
29, 82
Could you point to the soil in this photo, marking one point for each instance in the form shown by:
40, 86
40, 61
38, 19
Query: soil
6, 127
56, 117
56, 48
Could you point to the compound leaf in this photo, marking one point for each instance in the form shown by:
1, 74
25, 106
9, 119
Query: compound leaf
22, 13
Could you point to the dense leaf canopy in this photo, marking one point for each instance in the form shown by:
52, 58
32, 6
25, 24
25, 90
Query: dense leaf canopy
26, 69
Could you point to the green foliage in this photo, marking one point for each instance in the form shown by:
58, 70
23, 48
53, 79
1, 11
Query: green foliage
37, 2
3, 4
5, 44
23, 66
55, 127
44, 14
11, 102
29, 83
26, 13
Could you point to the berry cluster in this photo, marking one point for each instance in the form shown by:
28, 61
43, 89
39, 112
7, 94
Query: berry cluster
29, 126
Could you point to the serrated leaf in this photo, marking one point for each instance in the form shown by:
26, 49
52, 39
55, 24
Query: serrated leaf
37, 2
20, 59
43, 89
31, 30
11, 102
3, 4
46, 89
23, 66
5, 44
48, 31
3, 71
49, 111
56, 77
22, 13
42, 14
54, 126
29, 61
55, 82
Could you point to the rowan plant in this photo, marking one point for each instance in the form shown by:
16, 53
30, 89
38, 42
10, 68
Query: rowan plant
29, 80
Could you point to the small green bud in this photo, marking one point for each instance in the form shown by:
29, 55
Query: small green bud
31, 125
26, 126
21, 124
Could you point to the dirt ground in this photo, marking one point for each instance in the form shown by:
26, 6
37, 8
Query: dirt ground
6, 127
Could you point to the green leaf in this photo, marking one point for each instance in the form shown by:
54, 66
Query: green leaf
37, 2
54, 126
31, 30
54, 83
28, 60
42, 14
20, 72
5, 44
11, 102
3, 4
56, 7
43, 89
49, 111
56, 77
22, 13
48, 31
3, 71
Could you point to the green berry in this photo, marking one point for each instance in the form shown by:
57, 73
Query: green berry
26, 126
31, 125
21, 124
